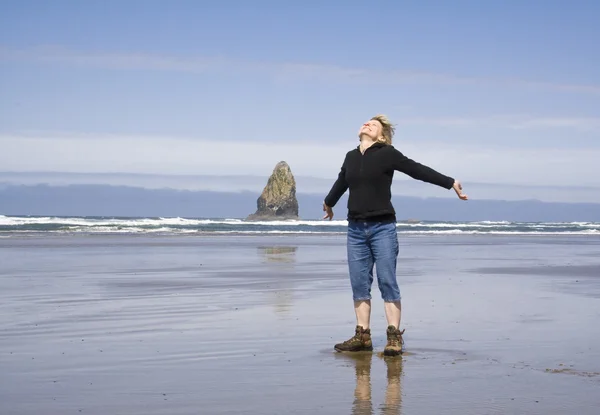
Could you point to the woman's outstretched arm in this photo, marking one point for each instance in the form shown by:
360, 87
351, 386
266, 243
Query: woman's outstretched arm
424, 173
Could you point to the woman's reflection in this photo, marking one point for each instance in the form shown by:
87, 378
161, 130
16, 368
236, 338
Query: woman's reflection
393, 391
363, 404
362, 393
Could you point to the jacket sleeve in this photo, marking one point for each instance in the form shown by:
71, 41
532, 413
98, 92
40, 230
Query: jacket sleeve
419, 171
339, 187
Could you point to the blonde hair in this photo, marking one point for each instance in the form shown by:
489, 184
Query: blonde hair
388, 129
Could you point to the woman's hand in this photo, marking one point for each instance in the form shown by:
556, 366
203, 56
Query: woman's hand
458, 189
328, 210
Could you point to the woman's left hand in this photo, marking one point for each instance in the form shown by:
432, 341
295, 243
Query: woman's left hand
458, 189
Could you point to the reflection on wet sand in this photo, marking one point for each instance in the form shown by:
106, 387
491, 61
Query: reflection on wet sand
282, 293
286, 254
363, 404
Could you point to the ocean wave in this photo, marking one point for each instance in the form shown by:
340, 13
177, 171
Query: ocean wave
432, 232
178, 225
179, 231
94, 221
75, 221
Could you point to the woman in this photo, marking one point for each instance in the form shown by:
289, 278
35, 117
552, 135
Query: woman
372, 238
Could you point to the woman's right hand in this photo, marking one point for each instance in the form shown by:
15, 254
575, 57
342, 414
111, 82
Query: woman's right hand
328, 212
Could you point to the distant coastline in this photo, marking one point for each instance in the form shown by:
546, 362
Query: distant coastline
127, 201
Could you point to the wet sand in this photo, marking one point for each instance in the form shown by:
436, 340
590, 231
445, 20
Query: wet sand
246, 325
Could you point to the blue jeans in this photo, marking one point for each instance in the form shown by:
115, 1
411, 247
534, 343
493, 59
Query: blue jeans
368, 244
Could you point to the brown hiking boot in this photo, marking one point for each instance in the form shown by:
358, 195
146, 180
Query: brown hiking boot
395, 343
361, 341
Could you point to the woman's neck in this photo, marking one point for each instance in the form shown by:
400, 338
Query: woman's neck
365, 143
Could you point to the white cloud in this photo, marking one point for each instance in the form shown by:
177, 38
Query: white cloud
57, 54
576, 123
517, 122
170, 155
279, 70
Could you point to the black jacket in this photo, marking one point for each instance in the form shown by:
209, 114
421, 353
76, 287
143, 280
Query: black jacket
369, 178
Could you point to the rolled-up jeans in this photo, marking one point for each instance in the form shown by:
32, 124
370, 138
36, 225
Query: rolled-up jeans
373, 244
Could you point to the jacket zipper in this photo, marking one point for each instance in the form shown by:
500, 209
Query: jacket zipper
362, 157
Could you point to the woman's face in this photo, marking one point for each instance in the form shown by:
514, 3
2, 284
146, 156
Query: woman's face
371, 129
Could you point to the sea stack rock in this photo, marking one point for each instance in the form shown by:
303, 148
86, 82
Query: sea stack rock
278, 199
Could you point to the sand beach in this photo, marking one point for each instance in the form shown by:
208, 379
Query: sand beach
245, 324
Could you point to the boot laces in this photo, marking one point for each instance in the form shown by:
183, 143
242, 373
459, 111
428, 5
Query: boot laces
396, 338
357, 337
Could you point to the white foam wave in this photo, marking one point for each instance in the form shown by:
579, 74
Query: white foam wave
178, 221
432, 232
178, 225
177, 231
515, 232
452, 225
73, 221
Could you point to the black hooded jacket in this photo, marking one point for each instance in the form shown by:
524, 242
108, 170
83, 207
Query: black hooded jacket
369, 178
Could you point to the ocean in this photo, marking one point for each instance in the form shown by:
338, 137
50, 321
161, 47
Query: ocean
11, 225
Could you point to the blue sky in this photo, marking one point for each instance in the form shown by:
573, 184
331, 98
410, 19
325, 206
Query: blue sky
495, 92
